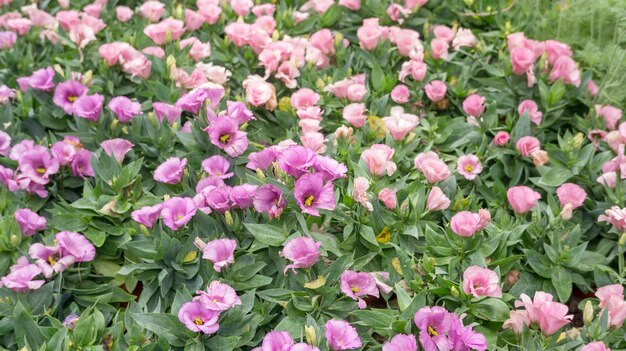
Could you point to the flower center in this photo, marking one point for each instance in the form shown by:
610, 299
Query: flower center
52, 260
40, 170
468, 168
225, 138
355, 289
198, 321
214, 300
72, 98
179, 217
309, 200
432, 331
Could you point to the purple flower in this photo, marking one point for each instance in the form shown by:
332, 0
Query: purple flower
20, 148
66, 93
193, 100
163, 110
303, 252
29, 221
20, 279
269, 199
209, 181
434, 324
71, 320
117, 148
218, 297
401, 342
81, 164
220, 252
6, 94
262, 159
238, 111
177, 211
7, 40
277, 341
312, 194
329, 168
75, 245
225, 134
65, 150
242, 196
38, 165
355, 285
197, 318
147, 215
341, 335
171, 171
5, 143
48, 259
124, 108
89, 106
466, 339
217, 198
296, 160
217, 166
42, 79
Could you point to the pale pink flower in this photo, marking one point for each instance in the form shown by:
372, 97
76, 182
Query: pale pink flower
469, 166
479, 281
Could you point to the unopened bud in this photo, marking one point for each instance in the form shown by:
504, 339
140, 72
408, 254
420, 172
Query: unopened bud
622, 240
511, 278
588, 313
179, 12
338, 38
199, 243
166, 197
455, 292
14, 240
260, 174
319, 84
567, 211
87, 77
229, 218
59, 70
311, 335
275, 35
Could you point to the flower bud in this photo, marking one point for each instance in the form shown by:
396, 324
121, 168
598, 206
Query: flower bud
87, 77
260, 174
455, 292
588, 313
622, 240
190, 256
59, 70
310, 335
229, 218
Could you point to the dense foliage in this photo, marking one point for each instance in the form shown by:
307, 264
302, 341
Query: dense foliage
321, 175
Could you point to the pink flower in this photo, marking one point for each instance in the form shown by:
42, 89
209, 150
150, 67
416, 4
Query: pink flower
66, 94
171, 171
369, 34
501, 138
6, 94
163, 110
399, 124
408, 43
566, 69
168, 29
355, 285
595, 346
351, 88
550, 315
465, 223
479, 281
474, 105
314, 141
269, 199
522, 198
359, 193
241, 7
388, 197
415, 68
75, 246
29, 221
463, 38
276, 341
443, 32
469, 166
615, 216
401, 342
197, 318
89, 106
323, 40
439, 49
303, 252
528, 145
355, 114
610, 114
259, 92
312, 194
123, 13
147, 215
434, 169
264, 10
42, 79
21, 275
605, 293
571, 197
437, 200
296, 160
522, 59
378, 159
7, 40
218, 296
220, 252
152, 10
225, 134
199, 50
341, 335
304, 98
436, 90
353, 5
124, 108
592, 88
400, 94
556, 49
530, 107
117, 148
177, 211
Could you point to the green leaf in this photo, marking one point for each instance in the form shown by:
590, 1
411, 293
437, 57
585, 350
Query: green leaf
293, 325
562, 282
522, 127
377, 319
268, 234
539, 263
555, 177
26, 329
225, 343
367, 233
491, 309
164, 325
378, 78
556, 92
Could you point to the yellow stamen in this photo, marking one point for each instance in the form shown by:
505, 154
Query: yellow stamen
214, 300
224, 138
309, 200
355, 290
468, 168
432, 331
198, 321
52, 260
40, 170
71, 98
179, 217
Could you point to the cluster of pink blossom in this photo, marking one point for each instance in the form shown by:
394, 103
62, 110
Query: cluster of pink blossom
612, 299
202, 314
304, 101
548, 315
442, 330
132, 60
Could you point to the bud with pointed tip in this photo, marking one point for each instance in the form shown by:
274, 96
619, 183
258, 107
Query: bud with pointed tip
588, 313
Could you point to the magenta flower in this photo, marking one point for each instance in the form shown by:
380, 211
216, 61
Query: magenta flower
117, 148
220, 252
465, 338
479, 281
42, 79
147, 215
297, 160
29, 221
237, 110
89, 106
217, 198
277, 341
65, 150
66, 94
177, 211
312, 194
329, 168
81, 164
163, 110
75, 245
269, 199
38, 165
124, 108
197, 318
218, 297
48, 259
193, 100
355, 285
262, 159
217, 166
242, 196
401, 342
225, 134
434, 324
341, 335
303, 252
171, 171
20, 278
